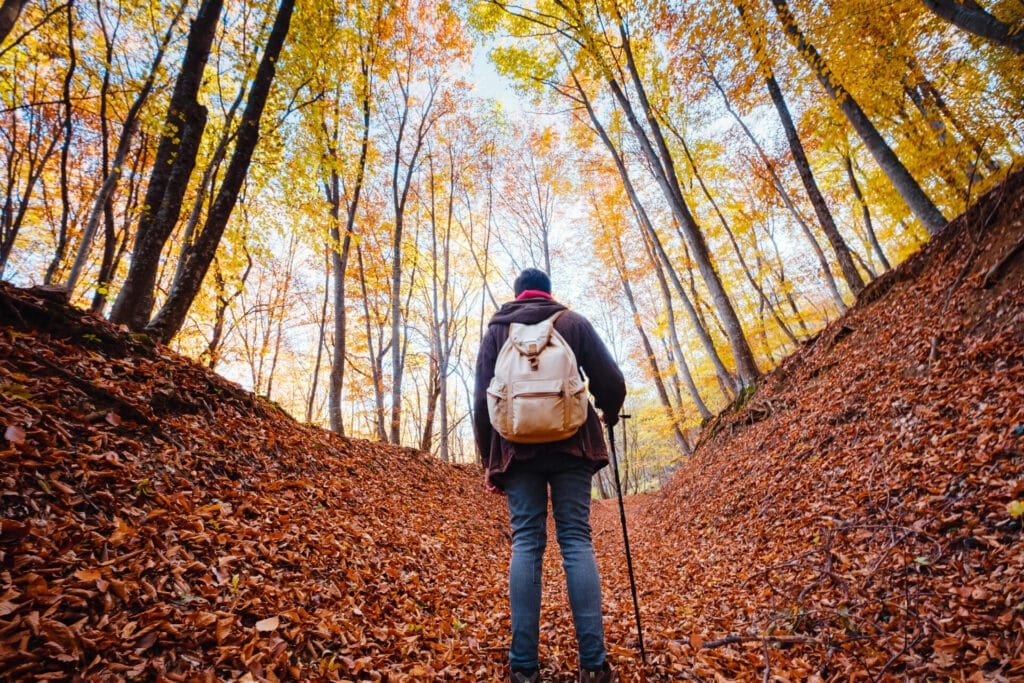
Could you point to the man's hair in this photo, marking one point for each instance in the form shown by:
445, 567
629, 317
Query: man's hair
532, 278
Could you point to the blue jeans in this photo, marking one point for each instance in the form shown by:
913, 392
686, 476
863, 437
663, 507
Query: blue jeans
527, 485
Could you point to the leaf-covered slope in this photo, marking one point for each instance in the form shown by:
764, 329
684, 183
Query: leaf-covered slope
857, 511
161, 524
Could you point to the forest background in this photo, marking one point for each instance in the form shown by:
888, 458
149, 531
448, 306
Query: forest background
324, 202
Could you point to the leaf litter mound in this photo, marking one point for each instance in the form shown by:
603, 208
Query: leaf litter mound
161, 524
857, 519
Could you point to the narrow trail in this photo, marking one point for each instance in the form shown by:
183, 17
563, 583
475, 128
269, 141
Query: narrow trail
557, 639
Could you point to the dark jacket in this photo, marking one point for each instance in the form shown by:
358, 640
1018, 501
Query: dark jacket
607, 386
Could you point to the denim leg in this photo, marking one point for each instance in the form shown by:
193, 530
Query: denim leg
570, 502
527, 494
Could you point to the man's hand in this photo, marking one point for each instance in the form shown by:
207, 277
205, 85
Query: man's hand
491, 488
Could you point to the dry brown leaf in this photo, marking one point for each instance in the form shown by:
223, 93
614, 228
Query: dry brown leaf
14, 434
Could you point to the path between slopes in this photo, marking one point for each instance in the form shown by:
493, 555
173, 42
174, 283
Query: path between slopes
557, 639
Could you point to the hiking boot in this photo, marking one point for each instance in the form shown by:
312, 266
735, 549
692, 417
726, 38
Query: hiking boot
606, 674
518, 677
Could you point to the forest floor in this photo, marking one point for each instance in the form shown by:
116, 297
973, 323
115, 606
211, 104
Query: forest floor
859, 519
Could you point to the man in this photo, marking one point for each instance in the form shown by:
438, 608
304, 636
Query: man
525, 472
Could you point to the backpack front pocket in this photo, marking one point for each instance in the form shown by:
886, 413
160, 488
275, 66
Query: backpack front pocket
538, 410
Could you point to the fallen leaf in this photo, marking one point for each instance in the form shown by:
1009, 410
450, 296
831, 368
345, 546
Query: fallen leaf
14, 434
267, 625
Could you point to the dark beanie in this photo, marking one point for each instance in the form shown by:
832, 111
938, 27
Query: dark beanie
532, 278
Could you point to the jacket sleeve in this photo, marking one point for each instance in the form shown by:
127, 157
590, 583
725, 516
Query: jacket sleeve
485, 361
607, 384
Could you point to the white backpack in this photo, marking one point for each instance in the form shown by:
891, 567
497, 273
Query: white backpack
538, 393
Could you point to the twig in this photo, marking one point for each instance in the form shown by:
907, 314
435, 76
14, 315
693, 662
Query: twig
767, 663
732, 640
984, 223
933, 351
131, 411
892, 660
995, 271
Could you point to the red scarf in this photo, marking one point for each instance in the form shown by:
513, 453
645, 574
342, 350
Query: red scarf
531, 293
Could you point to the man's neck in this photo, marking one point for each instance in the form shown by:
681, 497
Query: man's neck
534, 293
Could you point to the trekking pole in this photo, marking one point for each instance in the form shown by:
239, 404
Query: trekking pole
625, 538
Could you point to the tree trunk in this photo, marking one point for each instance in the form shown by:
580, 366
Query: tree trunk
376, 359
212, 353
115, 246
340, 259
322, 332
170, 318
400, 186
662, 164
395, 431
758, 289
973, 19
433, 395
821, 210
434, 366
172, 167
113, 171
204, 188
803, 164
908, 188
13, 216
10, 10
680, 359
447, 313
65, 153
865, 212
726, 380
339, 266
652, 360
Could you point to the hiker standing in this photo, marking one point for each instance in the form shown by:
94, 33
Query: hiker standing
524, 467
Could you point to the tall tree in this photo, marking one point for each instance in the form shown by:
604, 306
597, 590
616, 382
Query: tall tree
65, 149
113, 169
343, 92
30, 138
172, 167
725, 380
197, 259
908, 188
973, 18
803, 164
599, 39
432, 42
619, 258
656, 149
445, 302
404, 165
